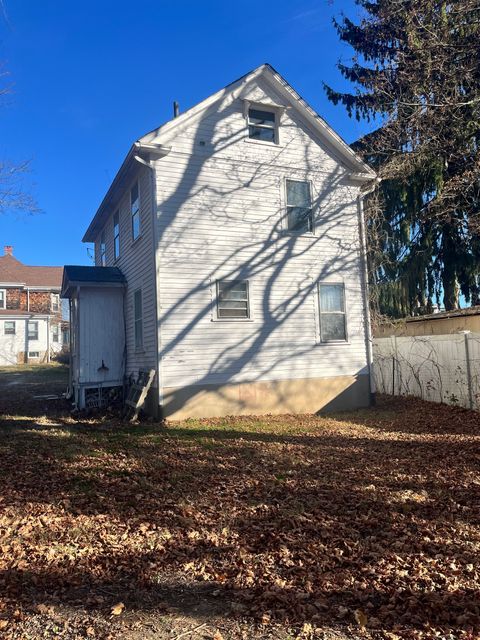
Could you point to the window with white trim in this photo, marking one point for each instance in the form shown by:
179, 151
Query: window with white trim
333, 318
233, 299
34, 354
262, 125
138, 318
9, 327
103, 250
116, 235
135, 211
3, 298
32, 330
299, 206
55, 302
55, 333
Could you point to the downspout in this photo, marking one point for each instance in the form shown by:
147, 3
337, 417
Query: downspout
366, 293
156, 264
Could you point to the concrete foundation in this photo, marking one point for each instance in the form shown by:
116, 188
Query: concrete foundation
306, 395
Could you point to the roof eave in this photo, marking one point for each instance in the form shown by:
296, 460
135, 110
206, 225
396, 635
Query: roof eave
139, 149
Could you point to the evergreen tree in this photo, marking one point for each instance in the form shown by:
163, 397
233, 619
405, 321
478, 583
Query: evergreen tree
416, 70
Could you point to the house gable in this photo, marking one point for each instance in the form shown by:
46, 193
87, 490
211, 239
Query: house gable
196, 129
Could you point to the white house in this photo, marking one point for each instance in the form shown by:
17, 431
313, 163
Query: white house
31, 326
238, 230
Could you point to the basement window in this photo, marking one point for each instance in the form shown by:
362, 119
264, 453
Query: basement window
9, 328
34, 354
262, 125
135, 211
333, 321
32, 331
233, 299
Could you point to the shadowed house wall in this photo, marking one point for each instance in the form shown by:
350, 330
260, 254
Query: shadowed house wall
219, 214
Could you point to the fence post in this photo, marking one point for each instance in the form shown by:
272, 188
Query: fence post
394, 362
469, 371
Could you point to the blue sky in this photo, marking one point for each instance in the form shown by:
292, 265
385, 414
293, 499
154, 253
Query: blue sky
89, 78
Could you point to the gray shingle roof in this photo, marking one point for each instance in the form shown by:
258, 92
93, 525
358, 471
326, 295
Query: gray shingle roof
76, 273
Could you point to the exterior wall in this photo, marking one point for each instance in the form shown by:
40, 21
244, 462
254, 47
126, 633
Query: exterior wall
430, 327
136, 261
14, 349
303, 395
221, 211
101, 336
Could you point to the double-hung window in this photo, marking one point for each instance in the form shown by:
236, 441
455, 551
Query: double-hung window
9, 328
262, 125
103, 250
55, 333
138, 318
3, 299
55, 302
116, 235
32, 330
233, 299
333, 321
299, 207
135, 211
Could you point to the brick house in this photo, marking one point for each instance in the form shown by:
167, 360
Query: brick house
31, 326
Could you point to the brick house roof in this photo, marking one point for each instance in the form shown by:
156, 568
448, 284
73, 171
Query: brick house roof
14, 271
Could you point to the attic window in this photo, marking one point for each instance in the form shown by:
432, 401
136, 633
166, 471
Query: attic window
262, 125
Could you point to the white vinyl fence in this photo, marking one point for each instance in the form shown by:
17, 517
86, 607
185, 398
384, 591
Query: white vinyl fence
437, 368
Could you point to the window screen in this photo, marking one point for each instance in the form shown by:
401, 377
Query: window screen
135, 211
9, 328
232, 299
299, 207
332, 312
261, 125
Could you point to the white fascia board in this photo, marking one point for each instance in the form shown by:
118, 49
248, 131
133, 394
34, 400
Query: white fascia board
115, 190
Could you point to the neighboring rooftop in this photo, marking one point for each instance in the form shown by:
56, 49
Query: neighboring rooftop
12, 271
441, 315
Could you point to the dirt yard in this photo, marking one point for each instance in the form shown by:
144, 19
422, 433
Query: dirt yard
359, 525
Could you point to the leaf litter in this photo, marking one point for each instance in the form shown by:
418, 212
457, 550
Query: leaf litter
362, 524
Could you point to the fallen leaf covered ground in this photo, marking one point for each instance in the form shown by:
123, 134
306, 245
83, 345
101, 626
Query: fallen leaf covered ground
362, 524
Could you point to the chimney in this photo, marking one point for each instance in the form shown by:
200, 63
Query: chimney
8, 250
176, 109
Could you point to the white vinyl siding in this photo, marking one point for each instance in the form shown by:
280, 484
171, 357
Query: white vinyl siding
222, 209
137, 263
138, 319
